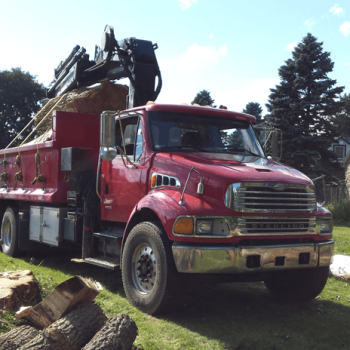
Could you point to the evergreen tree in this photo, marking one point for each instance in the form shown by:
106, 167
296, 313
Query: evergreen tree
254, 109
203, 98
20, 97
302, 107
342, 120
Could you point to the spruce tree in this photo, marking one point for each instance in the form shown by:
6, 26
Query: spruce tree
203, 98
254, 109
302, 106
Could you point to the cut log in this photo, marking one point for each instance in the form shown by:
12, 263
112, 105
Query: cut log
72, 331
18, 288
63, 298
17, 337
118, 333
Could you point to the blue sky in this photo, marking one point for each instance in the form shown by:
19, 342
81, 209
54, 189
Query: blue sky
231, 48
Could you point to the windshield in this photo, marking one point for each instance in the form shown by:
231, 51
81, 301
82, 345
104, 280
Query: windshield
180, 132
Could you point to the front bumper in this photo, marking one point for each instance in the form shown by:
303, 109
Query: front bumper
230, 259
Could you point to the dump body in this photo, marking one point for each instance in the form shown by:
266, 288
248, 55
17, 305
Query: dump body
68, 130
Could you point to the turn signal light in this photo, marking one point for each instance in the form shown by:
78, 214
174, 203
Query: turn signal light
184, 226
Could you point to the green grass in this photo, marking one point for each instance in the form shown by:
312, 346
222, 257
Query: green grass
341, 236
226, 316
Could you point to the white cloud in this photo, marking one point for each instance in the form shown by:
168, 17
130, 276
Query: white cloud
256, 90
336, 10
291, 46
211, 35
186, 4
309, 23
37, 62
195, 58
345, 28
347, 64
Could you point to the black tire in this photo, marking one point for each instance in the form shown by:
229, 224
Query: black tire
298, 285
9, 232
148, 270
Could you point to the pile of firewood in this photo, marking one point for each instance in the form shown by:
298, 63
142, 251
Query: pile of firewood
69, 319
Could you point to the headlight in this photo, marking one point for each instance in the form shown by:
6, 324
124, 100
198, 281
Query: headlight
327, 226
204, 227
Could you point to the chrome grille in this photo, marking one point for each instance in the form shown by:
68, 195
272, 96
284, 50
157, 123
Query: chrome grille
271, 198
276, 225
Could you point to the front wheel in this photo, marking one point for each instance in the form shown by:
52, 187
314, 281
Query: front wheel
9, 232
148, 270
298, 285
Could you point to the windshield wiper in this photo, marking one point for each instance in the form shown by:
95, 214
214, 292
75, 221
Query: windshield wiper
162, 148
243, 150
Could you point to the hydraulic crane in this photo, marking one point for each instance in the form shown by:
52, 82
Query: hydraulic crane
128, 58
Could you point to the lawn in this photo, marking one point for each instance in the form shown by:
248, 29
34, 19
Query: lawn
226, 316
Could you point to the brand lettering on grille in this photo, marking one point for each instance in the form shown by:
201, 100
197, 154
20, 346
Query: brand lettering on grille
279, 226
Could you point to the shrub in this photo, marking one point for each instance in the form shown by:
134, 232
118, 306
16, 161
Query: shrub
341, 211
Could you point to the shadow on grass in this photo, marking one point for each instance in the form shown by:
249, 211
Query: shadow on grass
246, 316
238, 315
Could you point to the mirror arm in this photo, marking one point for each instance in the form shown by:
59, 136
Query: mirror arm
123, 154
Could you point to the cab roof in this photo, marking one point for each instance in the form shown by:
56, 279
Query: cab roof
184, 108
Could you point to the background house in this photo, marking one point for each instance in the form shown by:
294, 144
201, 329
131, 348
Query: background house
341, 147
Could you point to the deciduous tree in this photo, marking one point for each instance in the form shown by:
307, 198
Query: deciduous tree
20, 97
342, 119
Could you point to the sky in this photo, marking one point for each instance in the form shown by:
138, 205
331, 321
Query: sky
231, 48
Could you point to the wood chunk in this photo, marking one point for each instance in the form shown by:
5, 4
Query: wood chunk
17, 288
63, 298
72, 331
17, 337
105, 97
118, 333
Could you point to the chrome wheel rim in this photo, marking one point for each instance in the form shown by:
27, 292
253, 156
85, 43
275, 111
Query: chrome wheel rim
144, 268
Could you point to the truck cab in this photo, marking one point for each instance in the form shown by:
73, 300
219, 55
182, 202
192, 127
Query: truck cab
199, 178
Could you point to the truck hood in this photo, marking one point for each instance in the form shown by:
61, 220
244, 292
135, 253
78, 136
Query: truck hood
239, 168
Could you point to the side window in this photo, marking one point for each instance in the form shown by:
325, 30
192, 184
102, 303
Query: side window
129, 127
138, 143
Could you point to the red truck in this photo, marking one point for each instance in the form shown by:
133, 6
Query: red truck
166, 190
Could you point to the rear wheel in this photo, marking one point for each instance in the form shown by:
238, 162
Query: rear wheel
9, 232
298, 285
148, 270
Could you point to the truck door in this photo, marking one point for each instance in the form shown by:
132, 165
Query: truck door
120, 181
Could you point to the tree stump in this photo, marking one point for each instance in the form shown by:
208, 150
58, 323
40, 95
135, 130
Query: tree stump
17, 288
17, 337
71, 332
63, 298
118, 333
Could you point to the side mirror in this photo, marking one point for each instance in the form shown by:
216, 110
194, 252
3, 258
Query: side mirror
107, 129
107, 136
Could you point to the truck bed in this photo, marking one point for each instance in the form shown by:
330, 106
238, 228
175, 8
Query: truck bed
69, 130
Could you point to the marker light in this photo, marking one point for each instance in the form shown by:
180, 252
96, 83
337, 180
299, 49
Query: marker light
184, 226
153, 180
